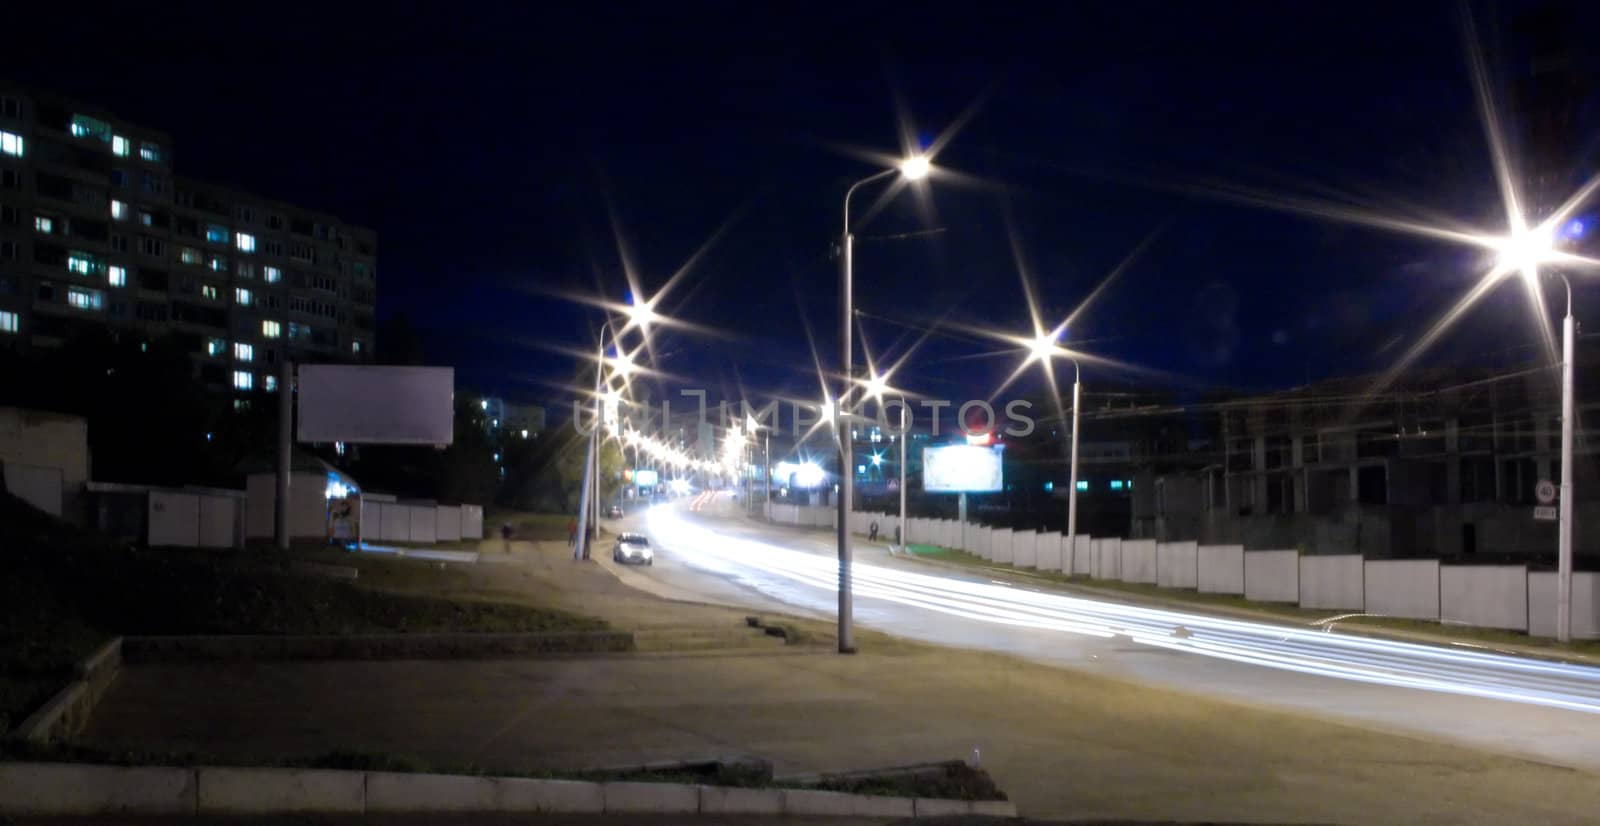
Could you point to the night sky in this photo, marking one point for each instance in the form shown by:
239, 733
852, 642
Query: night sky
492, 150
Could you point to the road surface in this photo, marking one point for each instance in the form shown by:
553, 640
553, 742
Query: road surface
1543, 710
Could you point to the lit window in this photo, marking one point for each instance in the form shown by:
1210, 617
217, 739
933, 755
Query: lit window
241, 404
117, 276
189, 255
147, 218
216, 233
1083, 484
245, 242
1116, 484
208, 291
243, 380
8, 322
83, 263
271, 329
241, 296
272, 275
150, 151
10, 144
84, 126
1049, 486
217, 263
355, 346
119, 210
120, 146
43, 224
243, 351
216, 346
84, 299
269, 383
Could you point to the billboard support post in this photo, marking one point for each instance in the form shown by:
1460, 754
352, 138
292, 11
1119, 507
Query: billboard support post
285, 439
961, 516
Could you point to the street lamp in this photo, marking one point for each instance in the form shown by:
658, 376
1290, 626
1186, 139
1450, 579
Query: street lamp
912, 168
589, 499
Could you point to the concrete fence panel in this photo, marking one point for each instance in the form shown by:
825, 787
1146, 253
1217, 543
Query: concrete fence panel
984, 540
424, 524
40, 487
217, 518
1047, 557
174, 519
1000, 545
1178, 564
1139, 561
1332, 582
1082, 555
371, 520
1272, 576
1108, 558
472, 522
1221, 569
1025, 549
1403, 588
396, 522
1585, 607
447, 523
1486, 596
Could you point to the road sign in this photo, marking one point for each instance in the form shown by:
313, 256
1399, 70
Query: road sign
1544, 513
1545, 491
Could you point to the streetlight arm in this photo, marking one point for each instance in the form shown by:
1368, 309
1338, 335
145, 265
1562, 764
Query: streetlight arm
852, 190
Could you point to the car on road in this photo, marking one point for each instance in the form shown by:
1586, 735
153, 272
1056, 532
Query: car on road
633, 548
614, 512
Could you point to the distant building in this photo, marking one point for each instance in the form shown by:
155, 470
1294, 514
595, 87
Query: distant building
509, 419
97, 231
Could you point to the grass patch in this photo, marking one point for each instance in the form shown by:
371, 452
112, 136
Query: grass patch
64, 591
535, 527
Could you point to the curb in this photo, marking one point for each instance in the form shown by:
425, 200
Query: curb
65, 713
373, 646
54, 789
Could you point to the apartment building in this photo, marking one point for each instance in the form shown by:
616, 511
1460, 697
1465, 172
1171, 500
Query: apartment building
97, 230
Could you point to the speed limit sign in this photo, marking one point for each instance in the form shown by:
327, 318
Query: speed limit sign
1545, 491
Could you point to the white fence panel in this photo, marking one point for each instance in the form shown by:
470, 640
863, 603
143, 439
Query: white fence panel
1082, 555
217, 515
1025, 549
1403, 588
1585, 606
1000, 545
1272, 576
1486, 596
424, 523
472, 522
1221, 569
1108, 558
1047, 557
1178, 564
1332, 582
447, 523
173, 519
984, 541
1139, 561
396, 522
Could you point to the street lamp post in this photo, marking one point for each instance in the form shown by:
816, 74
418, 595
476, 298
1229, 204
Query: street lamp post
1072, 479
1564, 542
905, 528
912, 168
589, 498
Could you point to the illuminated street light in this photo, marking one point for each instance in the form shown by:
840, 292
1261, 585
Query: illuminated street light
640, 313
915, 167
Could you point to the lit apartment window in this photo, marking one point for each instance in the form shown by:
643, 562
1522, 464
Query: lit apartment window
216, 233
44, 224
10, 144
271, 275
84, 299
216, 346
150, 151
269, 383
147, 218
217, 263
83, 263
241, 296
243, 351
208, 291
119, 210
120, 146
189, 255
243, 380
245, 242
117, 276
8, 322
271, 329
355, 346
84, 126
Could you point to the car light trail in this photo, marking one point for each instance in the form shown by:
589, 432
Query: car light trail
1302, 650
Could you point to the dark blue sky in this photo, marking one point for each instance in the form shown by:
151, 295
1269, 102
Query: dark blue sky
488, 146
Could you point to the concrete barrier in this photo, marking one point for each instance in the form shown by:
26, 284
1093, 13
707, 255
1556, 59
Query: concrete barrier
1139, 561
1485, 596
1048, 555
1178, 564
522, 794
1108, 558
262, 791
1542, 604
731, 800
1025, 549
1332, 582
1082, 555
818, 803
1402, 588
397, 792
83, 789
930, 807
1272, 576
66, 713
657, 798
1221, 569
1000, 549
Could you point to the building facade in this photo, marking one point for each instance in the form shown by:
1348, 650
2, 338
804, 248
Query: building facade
96, 230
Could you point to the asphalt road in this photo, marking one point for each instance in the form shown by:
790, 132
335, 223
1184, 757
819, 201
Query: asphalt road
1530, 708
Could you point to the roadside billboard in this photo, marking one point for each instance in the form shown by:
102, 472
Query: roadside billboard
645, 478
365, 404
961, 469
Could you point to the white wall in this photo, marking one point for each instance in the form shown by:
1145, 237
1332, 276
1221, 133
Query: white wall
1082, 555
395, 522
1272, 576
1178, 564
38, 439
217, 519
1403, 588
1487, 596
1000, 545
985, 536
1108, 558
1585, 606
40, 487
173, 518
424, 524
1221, 569
1139, 561
1048, 555
308, 505
1025, 549
1332, 582
471, 521
447, 523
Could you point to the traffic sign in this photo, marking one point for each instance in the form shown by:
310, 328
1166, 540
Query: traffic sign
1544, 513
1545, 491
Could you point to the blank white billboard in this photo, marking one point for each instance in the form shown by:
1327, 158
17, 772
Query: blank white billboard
958, 468
364, 404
